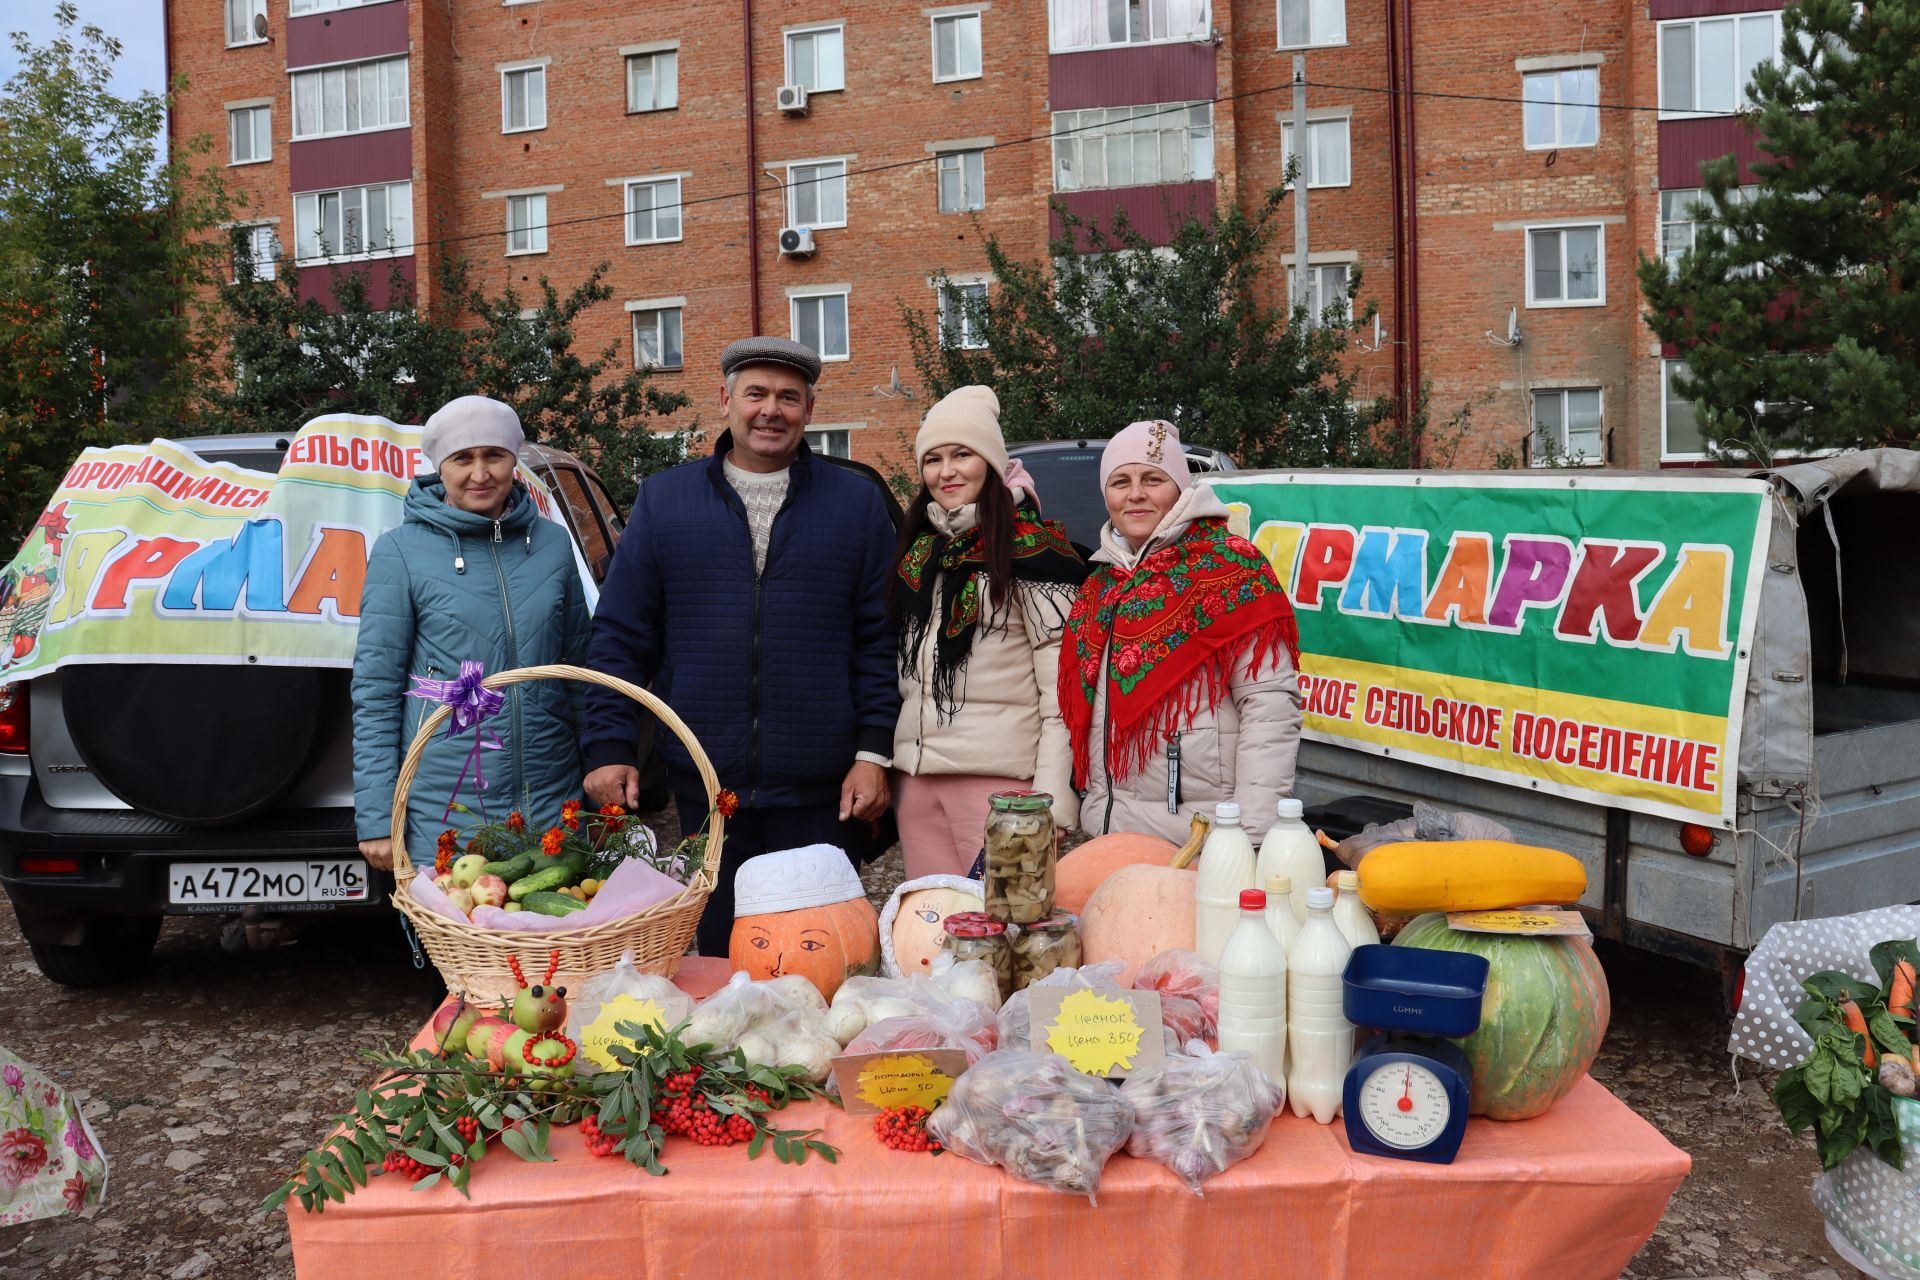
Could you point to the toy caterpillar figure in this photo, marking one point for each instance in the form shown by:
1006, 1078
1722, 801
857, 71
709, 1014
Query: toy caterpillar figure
540, 1010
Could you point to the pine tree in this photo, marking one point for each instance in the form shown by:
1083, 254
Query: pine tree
1797, 311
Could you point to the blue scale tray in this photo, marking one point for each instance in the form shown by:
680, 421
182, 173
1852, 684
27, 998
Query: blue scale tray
1435, 993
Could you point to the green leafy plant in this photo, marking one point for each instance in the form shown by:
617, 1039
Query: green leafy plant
1836, 1092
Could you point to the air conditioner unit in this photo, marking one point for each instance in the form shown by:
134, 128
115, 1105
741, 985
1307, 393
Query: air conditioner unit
796, 242
792, 99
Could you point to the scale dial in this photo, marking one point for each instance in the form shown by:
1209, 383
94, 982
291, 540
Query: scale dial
1404, 1105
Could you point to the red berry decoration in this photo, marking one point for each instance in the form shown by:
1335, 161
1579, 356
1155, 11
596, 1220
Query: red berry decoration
904, 1129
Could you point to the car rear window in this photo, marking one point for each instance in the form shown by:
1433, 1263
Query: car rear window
1068, 484
267, 460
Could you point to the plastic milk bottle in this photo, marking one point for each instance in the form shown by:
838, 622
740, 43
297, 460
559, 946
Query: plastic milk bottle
1290, 850
1350, 915
1319, 1037
1253, 990
1226, 867
1280, 912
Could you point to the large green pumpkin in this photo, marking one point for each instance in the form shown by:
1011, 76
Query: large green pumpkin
1541, 1024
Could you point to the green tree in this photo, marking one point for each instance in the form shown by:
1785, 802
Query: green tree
1112, 330
290, 359
103, 252
1798, 309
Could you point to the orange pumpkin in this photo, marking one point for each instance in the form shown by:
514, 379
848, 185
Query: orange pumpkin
825, 944
1081, 871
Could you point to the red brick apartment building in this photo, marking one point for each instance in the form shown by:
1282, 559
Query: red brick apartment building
1493, 168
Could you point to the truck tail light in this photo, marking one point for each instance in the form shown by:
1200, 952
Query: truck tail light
13, 719
50, 866
1696, 839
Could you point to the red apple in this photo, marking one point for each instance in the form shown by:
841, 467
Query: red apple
489, 891
450, 1026
462, 900
481, 1032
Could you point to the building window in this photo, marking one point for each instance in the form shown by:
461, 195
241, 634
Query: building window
820, 322
817, 194
1329, 159
1566, 426
523, 99
653, 81
354, 222
1093, 24
963, 180
240, 21
1566, 266
653, 211
816, 59
1326, 287
256, 252
298, 7
1680, 433
1562, 108
656, 338
1683, 211
527, 224
249, 135
350, 99
956, 47
834, 442
1311, 22
963, 315
1132, 146
1706, 64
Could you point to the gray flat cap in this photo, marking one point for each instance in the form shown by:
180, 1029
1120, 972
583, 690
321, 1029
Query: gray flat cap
767, 350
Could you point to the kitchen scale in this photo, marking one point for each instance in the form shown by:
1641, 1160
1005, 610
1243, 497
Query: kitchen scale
1408, 1088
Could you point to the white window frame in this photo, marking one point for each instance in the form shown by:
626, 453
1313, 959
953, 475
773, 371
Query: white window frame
822, 439
507, 72
1600, 299
968, 340
1667, 452
401, 246
657, 308
316, 77
654, 55
1693, 224
973, 196
959, 19
1072, 129
678, 205
267, 267
1740, 100
1314, 181
798, 296
1316, 301
533, 231
1559, 106
1316, 37
815, 29
253, 8
1533, 423
821, 184
254, 112
1154, 14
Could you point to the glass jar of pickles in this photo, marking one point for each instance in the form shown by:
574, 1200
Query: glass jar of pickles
1045, 945
975, 935
1020, 856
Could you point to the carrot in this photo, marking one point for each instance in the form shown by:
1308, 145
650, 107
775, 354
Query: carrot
1857, 1023
1900, 990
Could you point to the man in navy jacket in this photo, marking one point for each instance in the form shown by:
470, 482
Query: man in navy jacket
749, 590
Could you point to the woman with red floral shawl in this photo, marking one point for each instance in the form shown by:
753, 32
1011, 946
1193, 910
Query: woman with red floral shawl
1177, 675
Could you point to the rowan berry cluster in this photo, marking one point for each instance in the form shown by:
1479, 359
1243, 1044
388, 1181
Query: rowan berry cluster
905, 1129
402, 1163
597, 1140
467, 1127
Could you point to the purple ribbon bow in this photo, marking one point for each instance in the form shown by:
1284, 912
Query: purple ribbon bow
471, 705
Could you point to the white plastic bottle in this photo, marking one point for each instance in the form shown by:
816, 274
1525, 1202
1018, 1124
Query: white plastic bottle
1319, 1037
1350, 915
1226, 867
1253, 990
1280, 912
1291, 850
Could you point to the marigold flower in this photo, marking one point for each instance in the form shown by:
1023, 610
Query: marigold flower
516, 821
447, 842
443, 862
727, 804
550, 843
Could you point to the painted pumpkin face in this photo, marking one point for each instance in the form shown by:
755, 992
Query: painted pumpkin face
826, 945
917, 929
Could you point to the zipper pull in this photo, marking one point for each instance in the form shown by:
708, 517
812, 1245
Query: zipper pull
1173, 774
496, 531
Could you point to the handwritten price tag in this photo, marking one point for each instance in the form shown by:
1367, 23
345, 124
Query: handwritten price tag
1103, 1033
1536, 922
871, 1082
598, 1037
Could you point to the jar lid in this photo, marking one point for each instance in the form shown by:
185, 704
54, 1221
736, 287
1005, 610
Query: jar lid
973, 924
1020, 801
1058, 922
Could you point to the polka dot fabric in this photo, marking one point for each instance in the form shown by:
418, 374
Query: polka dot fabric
1793, 951
1873, 1209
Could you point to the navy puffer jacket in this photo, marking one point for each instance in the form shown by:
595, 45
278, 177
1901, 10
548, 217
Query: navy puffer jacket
782, 676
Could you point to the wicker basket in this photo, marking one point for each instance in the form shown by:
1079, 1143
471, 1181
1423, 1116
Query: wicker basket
474, 960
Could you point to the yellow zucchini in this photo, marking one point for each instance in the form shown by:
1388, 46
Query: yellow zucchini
1418, 876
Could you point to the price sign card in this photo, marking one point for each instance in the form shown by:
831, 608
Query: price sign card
1102, 1032
598, 1037
1531, 922
872, 1082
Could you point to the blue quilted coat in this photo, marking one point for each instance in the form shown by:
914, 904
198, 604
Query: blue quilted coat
782, 676
448, 586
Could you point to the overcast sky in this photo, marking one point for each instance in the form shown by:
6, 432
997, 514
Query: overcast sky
135, 23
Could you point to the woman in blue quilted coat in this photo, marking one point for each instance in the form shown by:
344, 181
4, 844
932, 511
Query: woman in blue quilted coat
473, 574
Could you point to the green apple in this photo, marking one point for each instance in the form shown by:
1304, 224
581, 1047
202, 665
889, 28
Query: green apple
481, 1032
540, 1008
450, 1026
467, 868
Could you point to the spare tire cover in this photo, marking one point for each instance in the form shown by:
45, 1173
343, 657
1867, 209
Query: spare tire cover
199, 744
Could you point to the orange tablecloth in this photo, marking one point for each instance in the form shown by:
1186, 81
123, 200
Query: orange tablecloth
1572, 1194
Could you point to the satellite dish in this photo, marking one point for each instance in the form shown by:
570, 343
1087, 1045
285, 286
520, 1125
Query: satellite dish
894, 390
260, 26
1513, 326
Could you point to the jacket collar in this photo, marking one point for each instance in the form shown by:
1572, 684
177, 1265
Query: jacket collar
427, 504
716, 464
1198, 503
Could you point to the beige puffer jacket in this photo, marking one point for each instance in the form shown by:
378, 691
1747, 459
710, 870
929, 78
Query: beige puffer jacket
1244, 749
1008, 723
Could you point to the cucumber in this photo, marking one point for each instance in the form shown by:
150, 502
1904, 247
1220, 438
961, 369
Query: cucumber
511, 869
553, 904
549, 877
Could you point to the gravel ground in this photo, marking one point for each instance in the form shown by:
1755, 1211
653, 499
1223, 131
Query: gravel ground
208, 1075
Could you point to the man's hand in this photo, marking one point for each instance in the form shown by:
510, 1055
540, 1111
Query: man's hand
614, 784
378, 853
864, 795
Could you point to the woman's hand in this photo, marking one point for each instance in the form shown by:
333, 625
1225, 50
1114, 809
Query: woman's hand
378, 853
